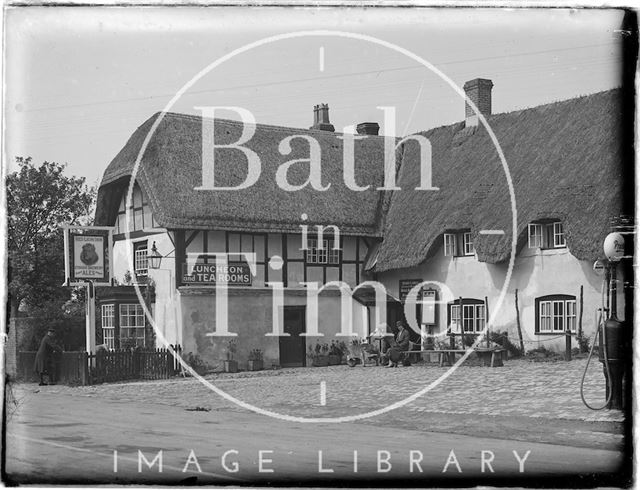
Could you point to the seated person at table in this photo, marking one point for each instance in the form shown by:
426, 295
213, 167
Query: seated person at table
397, 346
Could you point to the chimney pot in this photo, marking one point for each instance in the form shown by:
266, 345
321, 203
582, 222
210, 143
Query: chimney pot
478, 91
371, 128
321, 118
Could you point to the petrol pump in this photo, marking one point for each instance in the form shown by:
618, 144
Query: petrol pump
614, 337
612, 347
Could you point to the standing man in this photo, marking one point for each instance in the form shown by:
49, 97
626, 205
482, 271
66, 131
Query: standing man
45, 357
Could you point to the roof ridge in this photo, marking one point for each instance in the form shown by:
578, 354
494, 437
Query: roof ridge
525, 109
194, 117
556, 102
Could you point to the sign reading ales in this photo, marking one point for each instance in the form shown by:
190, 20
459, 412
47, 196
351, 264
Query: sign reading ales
88, 252
230, 274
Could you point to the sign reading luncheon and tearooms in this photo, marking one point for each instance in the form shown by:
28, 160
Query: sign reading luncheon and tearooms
229, 274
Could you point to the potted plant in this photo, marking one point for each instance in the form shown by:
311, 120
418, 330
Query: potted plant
343, 352
255, 360
319, 355
335, 353
230, 364
196, 363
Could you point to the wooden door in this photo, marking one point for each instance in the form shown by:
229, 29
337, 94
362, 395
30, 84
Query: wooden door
293, 348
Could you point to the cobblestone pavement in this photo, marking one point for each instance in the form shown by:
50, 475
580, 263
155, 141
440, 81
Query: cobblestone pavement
542, 390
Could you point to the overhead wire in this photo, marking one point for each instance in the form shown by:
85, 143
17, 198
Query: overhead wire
319, 78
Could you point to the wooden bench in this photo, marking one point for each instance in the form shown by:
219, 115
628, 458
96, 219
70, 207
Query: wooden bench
491, 357
444, 355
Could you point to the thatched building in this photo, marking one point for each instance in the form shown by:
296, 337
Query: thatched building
564, 160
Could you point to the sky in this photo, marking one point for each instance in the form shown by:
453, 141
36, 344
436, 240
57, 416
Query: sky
80, 80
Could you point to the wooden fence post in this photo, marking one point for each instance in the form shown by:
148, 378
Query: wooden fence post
580, 333
518, 325
486, 319
84, 368
83, 359
461, 324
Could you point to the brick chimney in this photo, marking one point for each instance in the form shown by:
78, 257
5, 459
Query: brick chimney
371, 128
321, 118
479, 91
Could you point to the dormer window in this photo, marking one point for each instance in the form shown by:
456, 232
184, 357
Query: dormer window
458, 244
546, 235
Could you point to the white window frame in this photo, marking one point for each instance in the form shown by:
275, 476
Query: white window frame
455, 318
312, 251
559, 240
458, 244
556, 315
547, 235
467, 243
131, 317
475, 321
473, 318
558, 312
328, 255
535, 235
141, 258
450, 244
571, 315
334, 254
480, 318
323, 253
108, 325
468, 318
545, 321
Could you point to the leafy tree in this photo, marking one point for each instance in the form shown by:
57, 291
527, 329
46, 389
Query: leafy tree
39, 200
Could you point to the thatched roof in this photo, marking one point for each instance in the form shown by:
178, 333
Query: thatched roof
565, 163
172, 167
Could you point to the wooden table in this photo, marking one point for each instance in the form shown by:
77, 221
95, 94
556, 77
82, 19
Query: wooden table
490, 356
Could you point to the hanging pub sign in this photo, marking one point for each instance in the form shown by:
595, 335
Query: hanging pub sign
232, 274
406, 285
88, 252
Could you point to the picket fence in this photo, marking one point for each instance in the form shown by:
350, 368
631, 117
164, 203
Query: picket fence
83, 368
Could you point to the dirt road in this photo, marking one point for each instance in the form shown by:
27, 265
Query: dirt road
55, 438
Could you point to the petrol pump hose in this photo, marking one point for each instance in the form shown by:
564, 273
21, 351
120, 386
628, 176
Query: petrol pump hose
606, 359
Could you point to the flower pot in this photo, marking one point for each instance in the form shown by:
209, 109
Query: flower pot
334, 360
230, 366
432, 357
320, 361
255, 365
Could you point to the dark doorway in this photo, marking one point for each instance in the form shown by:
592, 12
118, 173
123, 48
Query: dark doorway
395, 313
293, 348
